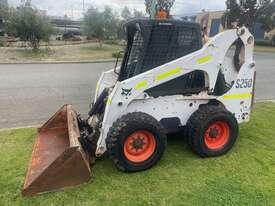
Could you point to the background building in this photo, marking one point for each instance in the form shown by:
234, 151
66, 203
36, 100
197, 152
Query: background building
213, 22
64, 25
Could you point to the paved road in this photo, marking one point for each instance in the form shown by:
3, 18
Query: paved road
31, 93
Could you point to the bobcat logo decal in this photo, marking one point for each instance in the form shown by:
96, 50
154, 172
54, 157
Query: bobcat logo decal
126, 92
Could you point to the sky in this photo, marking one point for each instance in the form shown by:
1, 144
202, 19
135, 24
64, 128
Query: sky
74, 8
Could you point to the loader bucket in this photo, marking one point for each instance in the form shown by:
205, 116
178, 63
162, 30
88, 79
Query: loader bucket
58, 160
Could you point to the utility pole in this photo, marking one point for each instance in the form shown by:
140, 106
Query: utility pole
72, 9
83, 7
153, 9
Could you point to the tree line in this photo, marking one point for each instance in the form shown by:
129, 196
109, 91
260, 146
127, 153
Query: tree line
31, 26
107, 24
25, 23
248, 12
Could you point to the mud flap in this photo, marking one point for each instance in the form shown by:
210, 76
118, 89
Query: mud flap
58, 160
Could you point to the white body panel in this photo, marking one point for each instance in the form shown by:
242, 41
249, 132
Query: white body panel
166, 107
210, 59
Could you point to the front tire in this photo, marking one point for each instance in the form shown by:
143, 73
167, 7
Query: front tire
136, 142
212, 131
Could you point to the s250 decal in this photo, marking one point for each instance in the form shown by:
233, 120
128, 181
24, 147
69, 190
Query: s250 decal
244, 83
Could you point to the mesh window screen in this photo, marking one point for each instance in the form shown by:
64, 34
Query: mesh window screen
134, 53
168, 43
152, 44
158, 48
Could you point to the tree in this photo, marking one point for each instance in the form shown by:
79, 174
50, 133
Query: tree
232, 14
100, 25
4, 14
27, 24
249, 12
110, 23
138, 14
126, 14
267, 17
93, 24
161, 5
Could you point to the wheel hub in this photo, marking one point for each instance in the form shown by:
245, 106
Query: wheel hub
214, 132
138, 143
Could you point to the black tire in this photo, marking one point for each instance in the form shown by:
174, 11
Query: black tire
121, 131
197, 128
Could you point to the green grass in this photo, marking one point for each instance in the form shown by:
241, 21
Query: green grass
67, 53
269, 49
245, 176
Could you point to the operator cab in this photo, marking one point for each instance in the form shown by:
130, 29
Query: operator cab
152, 43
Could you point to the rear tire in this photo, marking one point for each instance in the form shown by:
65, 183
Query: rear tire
136, 142
212, 131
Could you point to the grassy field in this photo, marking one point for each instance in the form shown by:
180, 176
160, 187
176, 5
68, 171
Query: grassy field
80, 52
265, 49
69, 53
245, 176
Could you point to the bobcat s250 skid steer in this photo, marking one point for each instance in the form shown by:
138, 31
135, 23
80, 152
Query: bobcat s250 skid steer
168, 82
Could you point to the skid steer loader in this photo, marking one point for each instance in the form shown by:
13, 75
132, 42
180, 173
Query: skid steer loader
167, 82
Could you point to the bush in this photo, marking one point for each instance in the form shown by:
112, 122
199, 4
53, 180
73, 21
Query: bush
27, 24
112, 41
116, 42
273, 40
117, 55
100, 24
67, 36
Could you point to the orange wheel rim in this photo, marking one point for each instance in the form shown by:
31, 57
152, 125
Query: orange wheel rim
139, 146
217, 135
